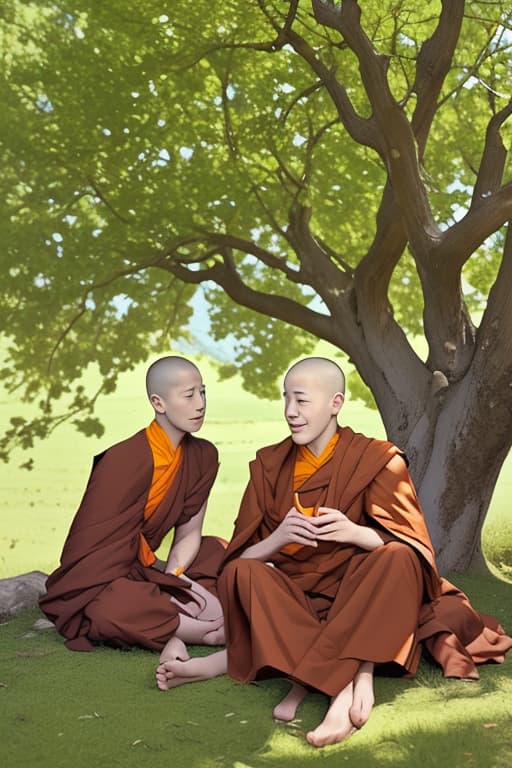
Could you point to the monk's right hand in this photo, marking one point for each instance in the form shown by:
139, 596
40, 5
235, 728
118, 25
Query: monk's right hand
294, 528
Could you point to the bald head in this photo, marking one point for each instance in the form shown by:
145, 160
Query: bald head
313, 395
321, 372
167, 372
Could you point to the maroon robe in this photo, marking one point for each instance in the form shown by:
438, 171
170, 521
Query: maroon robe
101, 592
314, 616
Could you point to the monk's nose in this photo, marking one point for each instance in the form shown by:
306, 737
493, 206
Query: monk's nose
290, 411
200, 403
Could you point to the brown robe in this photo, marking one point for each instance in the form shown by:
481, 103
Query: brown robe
315, 615
101, 592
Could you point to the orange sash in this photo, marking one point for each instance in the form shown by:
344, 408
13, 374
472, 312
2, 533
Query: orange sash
306, 464
166, 460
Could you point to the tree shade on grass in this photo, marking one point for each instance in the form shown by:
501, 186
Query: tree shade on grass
100, 709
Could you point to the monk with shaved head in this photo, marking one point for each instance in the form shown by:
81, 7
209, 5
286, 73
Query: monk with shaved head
110, 587
330, 574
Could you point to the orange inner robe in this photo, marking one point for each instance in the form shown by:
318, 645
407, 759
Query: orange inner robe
166, 461
306, 464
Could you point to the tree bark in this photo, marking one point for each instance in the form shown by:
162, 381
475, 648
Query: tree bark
471, 440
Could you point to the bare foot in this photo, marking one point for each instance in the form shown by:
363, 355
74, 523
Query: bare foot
170, 674
363, 698
174, 649
336, 724
287, 707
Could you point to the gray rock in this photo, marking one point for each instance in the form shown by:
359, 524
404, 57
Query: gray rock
20, 592
42, 625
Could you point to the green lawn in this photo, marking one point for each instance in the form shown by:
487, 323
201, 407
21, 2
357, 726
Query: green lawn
64, 709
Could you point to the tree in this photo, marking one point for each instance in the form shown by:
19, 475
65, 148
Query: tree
333, 171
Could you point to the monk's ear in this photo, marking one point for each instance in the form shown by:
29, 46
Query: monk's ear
156, 402
337, 401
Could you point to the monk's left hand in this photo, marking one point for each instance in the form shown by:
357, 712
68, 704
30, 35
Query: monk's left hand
333, 525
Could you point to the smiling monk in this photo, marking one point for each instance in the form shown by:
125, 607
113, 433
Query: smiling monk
110, 588
330, 573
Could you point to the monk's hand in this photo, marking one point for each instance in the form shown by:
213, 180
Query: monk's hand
294, 528
333, 525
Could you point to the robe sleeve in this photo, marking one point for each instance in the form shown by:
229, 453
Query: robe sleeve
391, 501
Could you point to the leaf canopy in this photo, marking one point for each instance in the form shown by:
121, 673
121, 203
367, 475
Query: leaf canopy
145, 142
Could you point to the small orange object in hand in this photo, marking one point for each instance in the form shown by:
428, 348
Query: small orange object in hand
290, 549
309, 511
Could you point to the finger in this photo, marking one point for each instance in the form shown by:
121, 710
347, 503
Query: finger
303, 541
327, 529
325, 519
324, 511
303, 530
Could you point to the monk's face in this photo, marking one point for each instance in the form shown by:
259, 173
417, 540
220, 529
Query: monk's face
310, 408
181, 404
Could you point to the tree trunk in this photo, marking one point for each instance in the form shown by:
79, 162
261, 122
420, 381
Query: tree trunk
457, 470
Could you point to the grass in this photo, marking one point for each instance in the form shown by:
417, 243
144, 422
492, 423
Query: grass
62, 709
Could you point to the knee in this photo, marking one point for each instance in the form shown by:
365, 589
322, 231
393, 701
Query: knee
398, 549
399, 552
103, 607
243, 570
240, 566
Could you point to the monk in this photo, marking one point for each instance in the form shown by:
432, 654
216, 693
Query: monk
330, 573
110, 588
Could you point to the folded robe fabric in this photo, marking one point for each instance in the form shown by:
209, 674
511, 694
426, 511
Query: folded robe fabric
166, 461
101, 591
341, 584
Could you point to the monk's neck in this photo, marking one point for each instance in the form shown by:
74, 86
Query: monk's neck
175, 435
318, 446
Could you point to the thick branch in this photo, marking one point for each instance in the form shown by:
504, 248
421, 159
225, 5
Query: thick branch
374, 271
493, 159
316, 265
462, 239
360, 129
267, 258
281, 307
494, 332
397, 145
432, 66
